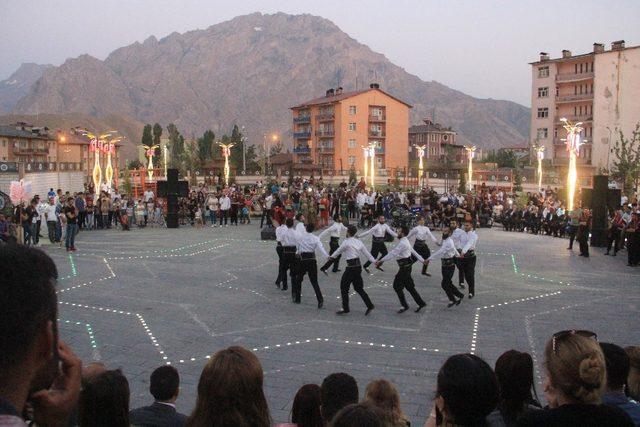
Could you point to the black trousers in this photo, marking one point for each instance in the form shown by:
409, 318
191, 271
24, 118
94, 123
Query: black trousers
224, 214
447, 285
458, 263
583, 240
468, 265
353, 276
334, 244
307, 266
403, 280
51, 230
572, 235
282, 275
424, 252
613, 239
633, 247
289, 263
377, 248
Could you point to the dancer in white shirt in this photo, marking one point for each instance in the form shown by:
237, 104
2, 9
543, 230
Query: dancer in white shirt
421, 232
282, 273
308, 244
467, 260
458, 237
378, 233
448, 253
334, 243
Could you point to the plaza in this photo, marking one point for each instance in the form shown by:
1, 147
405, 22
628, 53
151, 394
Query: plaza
136, 300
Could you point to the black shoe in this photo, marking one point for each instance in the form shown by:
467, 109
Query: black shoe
336, 270
296, 301
278, 284
451, 304
341, 312
614, 254
366, 313
324, 271
403, 309
460, 300
461, 285
284, 288
471, 295
426, 274
420, 307
606, 253
320, 304
367, 270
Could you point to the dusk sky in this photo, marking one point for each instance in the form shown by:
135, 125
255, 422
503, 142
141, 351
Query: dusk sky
481, 48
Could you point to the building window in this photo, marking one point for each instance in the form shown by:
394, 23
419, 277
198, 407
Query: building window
352, 160
445, 137
542, 133
543, 113
352, 143
352, 126
543, 71
353, 110
543, 92
379, 161
433, 137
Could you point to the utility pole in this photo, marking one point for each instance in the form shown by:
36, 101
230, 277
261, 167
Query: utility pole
244, 152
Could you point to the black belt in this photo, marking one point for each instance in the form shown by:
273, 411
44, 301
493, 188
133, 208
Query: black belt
354, 262
289, 249
404, 262
378, 239
307, 255
420, 242
278, 243
447, 262
335, 239
469, 254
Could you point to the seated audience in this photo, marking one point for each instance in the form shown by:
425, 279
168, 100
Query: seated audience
617, 362
514, 371
576, 377
104, 401
383, 395
32, 359
337, 391
633, 381
230, 392
306, 408
360, 415
164, 386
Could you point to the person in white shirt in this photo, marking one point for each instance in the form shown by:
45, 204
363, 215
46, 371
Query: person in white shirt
289, 240
300, 220
420, 232
352, 248
378, 233
282, 272
459, 238
212, 204
51, 217
308, 243
225, 205
467, 260
334, 235
448, 253
148, 195
404, 254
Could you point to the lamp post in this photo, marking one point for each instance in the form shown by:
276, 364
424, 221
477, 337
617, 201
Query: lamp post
540, 156
471, 154
365, 151
573, 143
244, 152
150, 152
226, 152
164, 152
103, 142
372, 169
421, 150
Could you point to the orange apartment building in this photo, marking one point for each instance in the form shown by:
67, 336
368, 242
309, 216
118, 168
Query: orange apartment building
330, 132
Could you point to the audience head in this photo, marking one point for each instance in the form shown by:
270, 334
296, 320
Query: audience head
230, 391
383, 395
104, 401
514, 372
633, 380
92, 370
468, 226
289, 222
576, 368
306, 407
618, 365
310, 228
352, 230
403, 231
337, 391
359, 415
467, 390
164, 384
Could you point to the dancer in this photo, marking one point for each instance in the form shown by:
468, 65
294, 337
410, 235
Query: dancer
448, 253
352, 248
289, 240
378, 232
457, 235
421, 232
282, 273
334, 242
404, 254
308, 243
468, 257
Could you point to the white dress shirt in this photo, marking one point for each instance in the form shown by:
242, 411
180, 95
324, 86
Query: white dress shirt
279, 230
352, 248
50, 213
447, 250
421, 232
225, 203
333, 231
300, 228
289, 237
470, 244
361, 199
402, 250
379, 230
457, 236
309, 242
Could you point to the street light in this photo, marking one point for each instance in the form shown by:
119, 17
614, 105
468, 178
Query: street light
573, 143
366, 162
372, 155
150, 152
471, 154
420, 149
244, 152
539, 149
226, 152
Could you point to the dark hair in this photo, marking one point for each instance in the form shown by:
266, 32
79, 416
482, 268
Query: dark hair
104, 401
306, 407
337, 391
289, 222
405, 230
164, 383
469, 389
352, 230
298, 216
28, 301
514, 371
359, 415
310, 227
618, 365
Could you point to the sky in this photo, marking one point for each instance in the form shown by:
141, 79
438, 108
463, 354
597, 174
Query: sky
481, 48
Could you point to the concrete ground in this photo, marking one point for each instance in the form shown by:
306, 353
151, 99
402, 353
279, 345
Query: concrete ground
135, 300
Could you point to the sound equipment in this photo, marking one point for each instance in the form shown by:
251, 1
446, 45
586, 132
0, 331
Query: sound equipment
172, 188
598, 204
268, 233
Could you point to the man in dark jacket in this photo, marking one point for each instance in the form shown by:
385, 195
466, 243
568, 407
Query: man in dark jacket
164, 387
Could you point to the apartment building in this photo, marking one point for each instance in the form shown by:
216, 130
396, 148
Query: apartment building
600, 89
440, 144
329, 132
23, 143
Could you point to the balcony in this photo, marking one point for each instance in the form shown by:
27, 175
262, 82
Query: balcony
376, 133
302, 150
559, 142
574, 98
564, 161
299, 135
302, 119
379, 150
573, 77
325, 133
573, 119
325, 117
377, 118
23, 151
325, 150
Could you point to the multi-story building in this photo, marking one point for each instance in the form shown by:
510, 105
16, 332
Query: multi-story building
76, 148
600, 89
23, 143
330, 131
440, 144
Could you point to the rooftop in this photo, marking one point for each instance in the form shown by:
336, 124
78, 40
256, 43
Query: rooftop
334, 96
598, 49
429, 126
23, 130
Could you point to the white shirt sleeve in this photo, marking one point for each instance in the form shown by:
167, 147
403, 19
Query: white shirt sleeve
471, 243
367, 254
430, 234
390, 231
322, 249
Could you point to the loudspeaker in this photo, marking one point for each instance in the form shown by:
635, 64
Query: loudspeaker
598, 204
161, 187
183, 189
614, 197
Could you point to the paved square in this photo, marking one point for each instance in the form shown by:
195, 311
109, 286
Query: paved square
139, 299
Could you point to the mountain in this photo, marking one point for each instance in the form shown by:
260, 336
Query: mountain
249, 71
17, 85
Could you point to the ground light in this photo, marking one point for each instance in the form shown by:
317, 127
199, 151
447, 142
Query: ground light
573, 143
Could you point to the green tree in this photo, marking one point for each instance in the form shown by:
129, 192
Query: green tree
134, 164
237, 139
176, 147
157, 134
462, 186
127, 181
253, 163
517, 180
626, 165
205, 147
191, 159
147, 137
275, 149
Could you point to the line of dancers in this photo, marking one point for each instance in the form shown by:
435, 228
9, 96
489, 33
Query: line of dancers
297, 247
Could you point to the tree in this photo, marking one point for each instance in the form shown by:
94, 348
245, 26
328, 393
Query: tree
134, 164
176, 146
626, 165
127, 181
517, 180
252, 157
191, 159
205, 147
275, 149
462, 186
147, 137
238, 140
157, 134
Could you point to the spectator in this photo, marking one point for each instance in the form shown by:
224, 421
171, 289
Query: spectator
306, 408
164, 386
104, 401
337, 391
467, 391
514, 371
29, 348
575, 381
230, 392
617, 362
383, 395
633, 381
360, 415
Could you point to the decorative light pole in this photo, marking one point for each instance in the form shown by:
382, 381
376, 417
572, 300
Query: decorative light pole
226, 152
150, 153
539, 149
101, 143
372, 155
365, 151
471, 154
165, 151
421, 150
573, 142
109, 147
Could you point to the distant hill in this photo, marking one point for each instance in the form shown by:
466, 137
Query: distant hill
18, 84
249, 71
